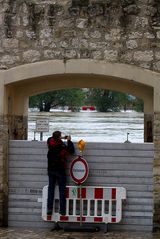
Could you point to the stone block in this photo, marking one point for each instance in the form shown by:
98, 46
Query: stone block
135, 35
131, 44
1, 19
143, 56
127, 56
81, 23
31, 56
75, 42
84, 43
30, 34
45, 33
156, 171
50, 54
156, 66
19, 34
25, 21
10, 43
97, 55
110, 55
70, 54
146, 65
149, 35
9, 59
141, 22
95, 34
113, 35
64, 44
157, 55
46, 42
158, 34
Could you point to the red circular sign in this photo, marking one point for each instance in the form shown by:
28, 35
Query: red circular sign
79, 170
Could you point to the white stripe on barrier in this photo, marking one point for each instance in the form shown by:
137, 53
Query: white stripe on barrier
99, 204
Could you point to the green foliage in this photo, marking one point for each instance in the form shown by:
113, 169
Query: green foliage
138, 105
123, 100
73, 98
106, 100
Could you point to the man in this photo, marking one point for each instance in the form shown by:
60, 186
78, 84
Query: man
58, 152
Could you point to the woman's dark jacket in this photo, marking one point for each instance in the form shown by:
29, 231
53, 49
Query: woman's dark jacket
58, 152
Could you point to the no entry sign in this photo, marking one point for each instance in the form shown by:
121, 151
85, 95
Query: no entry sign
79, 170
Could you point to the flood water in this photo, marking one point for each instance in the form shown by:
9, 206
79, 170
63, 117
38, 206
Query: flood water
91, 126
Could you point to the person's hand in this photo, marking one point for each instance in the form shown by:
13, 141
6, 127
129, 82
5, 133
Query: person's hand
69, 137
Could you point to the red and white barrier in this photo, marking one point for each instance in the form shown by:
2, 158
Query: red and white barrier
99, 204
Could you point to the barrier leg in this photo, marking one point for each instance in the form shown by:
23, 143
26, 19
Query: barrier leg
56, 227
105, 227
80, 188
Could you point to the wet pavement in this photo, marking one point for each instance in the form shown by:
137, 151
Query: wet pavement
16, 233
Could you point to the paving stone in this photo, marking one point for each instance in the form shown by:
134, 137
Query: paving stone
16, 233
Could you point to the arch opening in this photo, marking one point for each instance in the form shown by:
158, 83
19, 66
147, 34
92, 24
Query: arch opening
110, 122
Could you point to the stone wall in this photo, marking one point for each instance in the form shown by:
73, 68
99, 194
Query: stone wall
3, 169
126, 31
122, 31
14, 127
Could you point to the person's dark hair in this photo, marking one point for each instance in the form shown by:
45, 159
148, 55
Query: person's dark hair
56, 135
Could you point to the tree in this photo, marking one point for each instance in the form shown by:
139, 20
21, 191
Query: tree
123, 100
73, 98
138, 105
104, 100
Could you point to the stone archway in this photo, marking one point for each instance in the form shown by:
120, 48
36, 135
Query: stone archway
30, 79
17, 84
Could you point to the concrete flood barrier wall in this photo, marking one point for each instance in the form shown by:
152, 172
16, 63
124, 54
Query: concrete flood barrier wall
110, 164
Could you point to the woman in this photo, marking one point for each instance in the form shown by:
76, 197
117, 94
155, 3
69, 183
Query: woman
58, 152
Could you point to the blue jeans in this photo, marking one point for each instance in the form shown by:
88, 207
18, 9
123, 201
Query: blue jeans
60, 178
